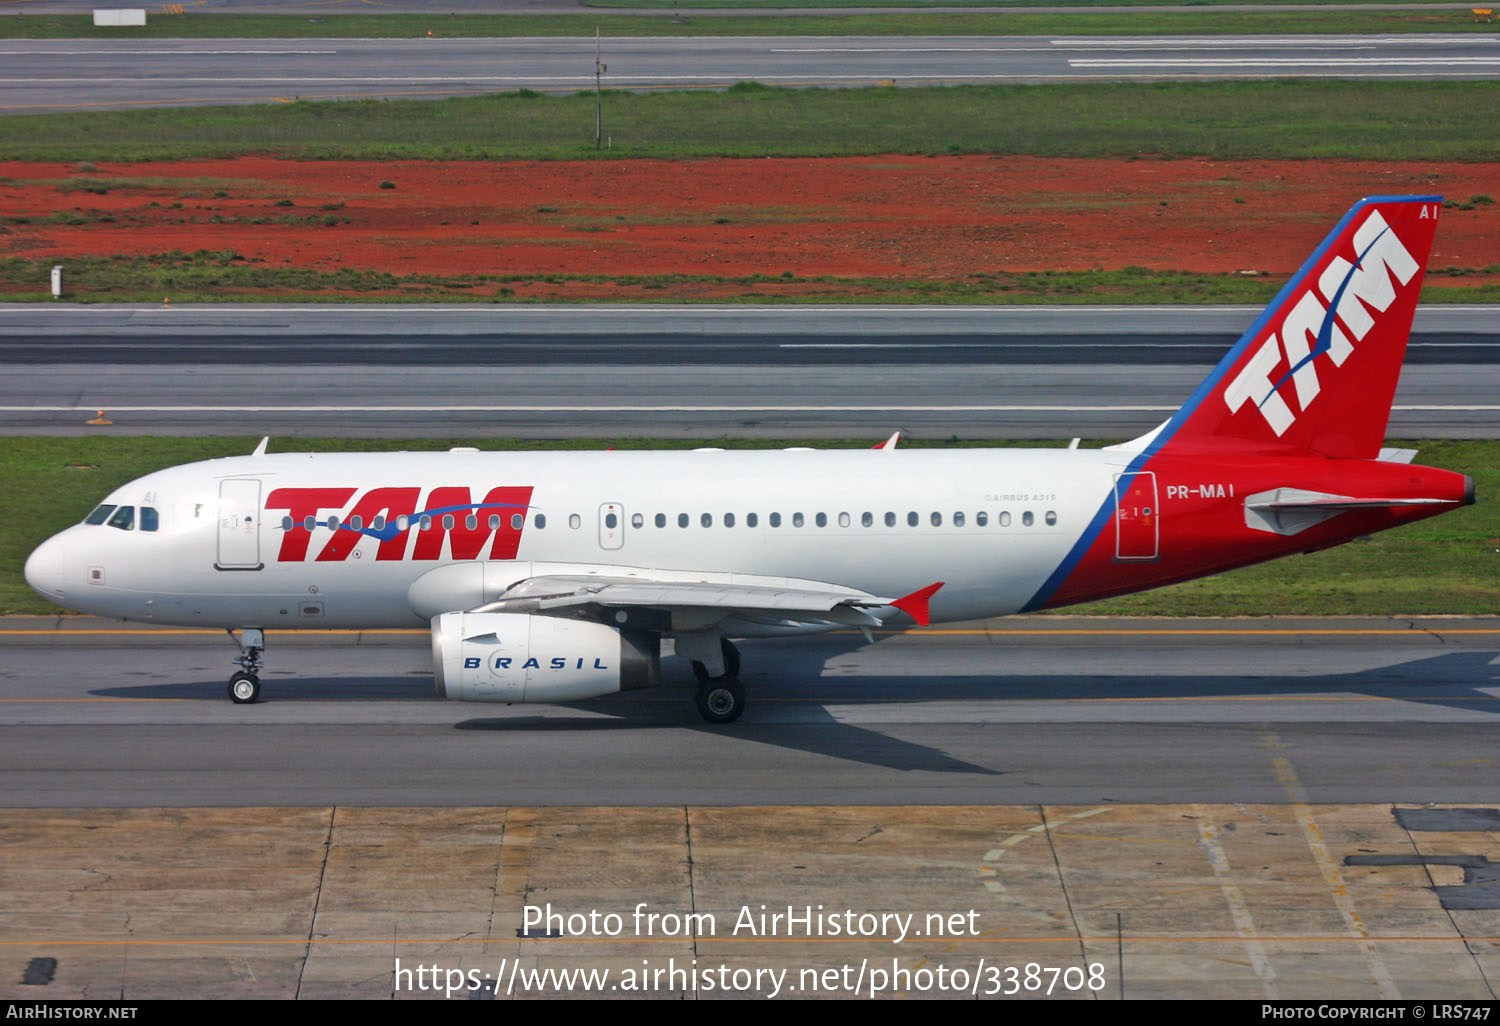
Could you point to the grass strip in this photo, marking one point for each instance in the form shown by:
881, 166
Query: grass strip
681, 22
1445, 565
224, 276
1221, 120
802, 5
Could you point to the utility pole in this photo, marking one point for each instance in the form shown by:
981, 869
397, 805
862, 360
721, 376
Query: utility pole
599, 70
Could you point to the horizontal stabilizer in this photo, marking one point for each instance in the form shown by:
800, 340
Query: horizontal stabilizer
1340, 504
1293, 510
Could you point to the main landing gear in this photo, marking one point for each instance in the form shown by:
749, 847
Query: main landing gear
720, 699
244, 684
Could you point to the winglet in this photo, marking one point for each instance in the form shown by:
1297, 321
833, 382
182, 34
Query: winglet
915, 604
889, 443
260, 450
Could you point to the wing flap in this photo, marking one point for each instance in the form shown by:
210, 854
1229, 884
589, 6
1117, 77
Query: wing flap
698, 605
627, 594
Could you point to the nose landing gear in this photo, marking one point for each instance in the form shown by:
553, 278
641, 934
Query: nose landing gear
244, 684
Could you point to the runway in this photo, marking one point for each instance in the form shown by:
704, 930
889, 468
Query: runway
1023, 711
683, 372
64, 74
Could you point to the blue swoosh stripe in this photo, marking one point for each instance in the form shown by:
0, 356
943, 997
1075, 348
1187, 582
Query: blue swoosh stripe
390, 530
1325, 330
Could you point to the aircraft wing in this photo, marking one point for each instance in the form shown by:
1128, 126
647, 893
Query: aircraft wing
708, 600
687, 599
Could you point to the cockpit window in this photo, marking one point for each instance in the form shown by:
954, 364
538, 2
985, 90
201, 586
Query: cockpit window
100, 515
124, 518
149, 519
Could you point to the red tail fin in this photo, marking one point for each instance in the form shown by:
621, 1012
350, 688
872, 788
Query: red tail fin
1318, 369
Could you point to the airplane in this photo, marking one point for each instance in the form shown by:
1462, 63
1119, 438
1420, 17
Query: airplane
554, 576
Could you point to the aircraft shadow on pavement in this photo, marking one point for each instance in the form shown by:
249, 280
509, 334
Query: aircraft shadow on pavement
816, 731
790, 701
288, 688
791, 674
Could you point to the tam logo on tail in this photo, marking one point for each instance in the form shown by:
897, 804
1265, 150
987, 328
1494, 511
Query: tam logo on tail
1318, 369
1309, 329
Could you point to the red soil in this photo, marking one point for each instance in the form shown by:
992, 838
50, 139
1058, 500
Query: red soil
895, 217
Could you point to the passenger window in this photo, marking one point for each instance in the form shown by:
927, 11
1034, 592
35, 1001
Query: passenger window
1027, 519
517, 520
287, 523
574, 521
867, 519
540, 520
1005, 518
981, 518
354, 522
99, 516
424, 524
124, 518
494, 521
682, 520
661, 520
611, 521
1051, 518
775, 519
797, 520
707, 520
728, 519
447, 521
844, 519
379, 522
821, 519
958, 520
911, 519
333, 522
636, 520
309, 522
751, 519
890, 519
937, 520
403, 522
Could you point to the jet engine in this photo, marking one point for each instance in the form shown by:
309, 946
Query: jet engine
517, 657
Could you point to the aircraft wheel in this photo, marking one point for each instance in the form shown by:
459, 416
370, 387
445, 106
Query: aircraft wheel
721, 701
731, 664
244, 688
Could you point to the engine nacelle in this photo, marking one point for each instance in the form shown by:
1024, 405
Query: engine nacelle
516, 657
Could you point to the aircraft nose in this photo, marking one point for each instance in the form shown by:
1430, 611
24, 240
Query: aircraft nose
45, 569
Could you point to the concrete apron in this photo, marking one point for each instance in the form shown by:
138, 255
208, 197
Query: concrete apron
1277, 901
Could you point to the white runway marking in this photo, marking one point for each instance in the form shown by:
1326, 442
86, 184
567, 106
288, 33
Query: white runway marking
158, 53
1055, 48
93, 406
1285, 62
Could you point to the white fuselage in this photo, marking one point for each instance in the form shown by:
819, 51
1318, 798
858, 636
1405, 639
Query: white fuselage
991, 524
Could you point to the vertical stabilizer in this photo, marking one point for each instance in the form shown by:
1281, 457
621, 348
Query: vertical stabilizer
1319, 367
